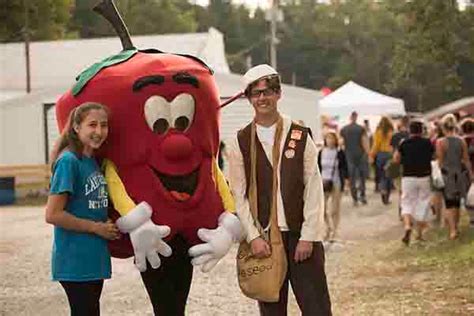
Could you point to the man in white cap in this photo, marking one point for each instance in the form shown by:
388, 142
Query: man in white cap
298, 198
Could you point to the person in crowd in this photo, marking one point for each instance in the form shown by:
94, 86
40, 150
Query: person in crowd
401, 134
298, 196
356, 149
332, 163
467, 126
368, 130
77, 207
381, 153
415, 154
453, 158
370, 140
437, 201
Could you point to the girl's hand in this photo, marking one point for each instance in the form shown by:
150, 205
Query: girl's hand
107, 230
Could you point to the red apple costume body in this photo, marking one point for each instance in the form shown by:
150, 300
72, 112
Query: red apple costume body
165, 187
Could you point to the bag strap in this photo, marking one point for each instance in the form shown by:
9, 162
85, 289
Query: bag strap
253, 202
334, 166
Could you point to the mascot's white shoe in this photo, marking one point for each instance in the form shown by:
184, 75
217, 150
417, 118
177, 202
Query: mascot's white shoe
146, 237
217, 242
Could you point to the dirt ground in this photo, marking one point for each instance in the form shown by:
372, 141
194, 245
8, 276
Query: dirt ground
354, 271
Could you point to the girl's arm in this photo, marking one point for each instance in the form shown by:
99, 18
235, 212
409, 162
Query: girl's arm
440, 151
56, 215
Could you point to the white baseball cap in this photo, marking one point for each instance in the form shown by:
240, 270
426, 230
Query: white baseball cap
257, 73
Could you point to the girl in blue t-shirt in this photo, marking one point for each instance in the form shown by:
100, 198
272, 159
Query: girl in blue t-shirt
77, 207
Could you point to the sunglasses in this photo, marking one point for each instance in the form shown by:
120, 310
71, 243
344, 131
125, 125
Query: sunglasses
266, 92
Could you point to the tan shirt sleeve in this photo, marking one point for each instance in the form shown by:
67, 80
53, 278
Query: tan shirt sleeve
238, 185
314, 227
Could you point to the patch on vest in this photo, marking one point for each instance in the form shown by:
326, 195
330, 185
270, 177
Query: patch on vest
296, 134
292, 144
289, 153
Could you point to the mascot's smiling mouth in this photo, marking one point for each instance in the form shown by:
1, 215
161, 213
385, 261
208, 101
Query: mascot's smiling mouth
181, 188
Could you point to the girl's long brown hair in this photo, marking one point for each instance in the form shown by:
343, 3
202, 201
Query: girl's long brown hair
385, 125
69, 138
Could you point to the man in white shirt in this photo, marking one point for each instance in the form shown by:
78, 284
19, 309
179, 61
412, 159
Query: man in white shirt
300, 198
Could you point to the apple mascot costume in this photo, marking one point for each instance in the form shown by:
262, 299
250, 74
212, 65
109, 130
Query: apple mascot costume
169, 197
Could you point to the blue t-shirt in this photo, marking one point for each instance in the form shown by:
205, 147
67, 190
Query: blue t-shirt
80, 256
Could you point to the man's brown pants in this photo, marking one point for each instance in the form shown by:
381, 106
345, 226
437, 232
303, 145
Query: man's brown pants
308, 281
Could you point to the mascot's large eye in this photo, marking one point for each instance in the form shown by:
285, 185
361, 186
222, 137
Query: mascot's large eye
157, 114
182, 111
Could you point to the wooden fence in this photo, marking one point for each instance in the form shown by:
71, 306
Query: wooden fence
27, 174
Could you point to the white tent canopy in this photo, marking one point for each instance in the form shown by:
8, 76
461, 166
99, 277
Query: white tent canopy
353, 97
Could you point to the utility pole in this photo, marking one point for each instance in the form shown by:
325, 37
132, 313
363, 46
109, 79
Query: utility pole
273, 38
274, 15
26, 37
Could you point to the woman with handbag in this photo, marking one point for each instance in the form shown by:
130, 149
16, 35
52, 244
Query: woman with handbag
332, 163
452, 154
381, 153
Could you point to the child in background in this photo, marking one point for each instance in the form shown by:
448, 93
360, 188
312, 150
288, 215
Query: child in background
333, 166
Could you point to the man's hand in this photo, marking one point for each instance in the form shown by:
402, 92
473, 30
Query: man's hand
260, 248
303, 251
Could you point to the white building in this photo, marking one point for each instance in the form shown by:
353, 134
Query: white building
27, 121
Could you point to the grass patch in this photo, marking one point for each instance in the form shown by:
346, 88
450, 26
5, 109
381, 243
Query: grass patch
438, 251
435, 277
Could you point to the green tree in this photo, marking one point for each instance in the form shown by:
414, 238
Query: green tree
331, 44
426, 59
243, 34
47, 19
158, 17
141, 17
466, 53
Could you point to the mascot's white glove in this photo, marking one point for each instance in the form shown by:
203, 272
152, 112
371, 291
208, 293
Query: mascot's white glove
217, 242
146, 237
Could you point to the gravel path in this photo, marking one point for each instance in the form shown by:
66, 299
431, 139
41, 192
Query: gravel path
25, 247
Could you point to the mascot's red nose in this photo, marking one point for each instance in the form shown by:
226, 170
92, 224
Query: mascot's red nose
177, 147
